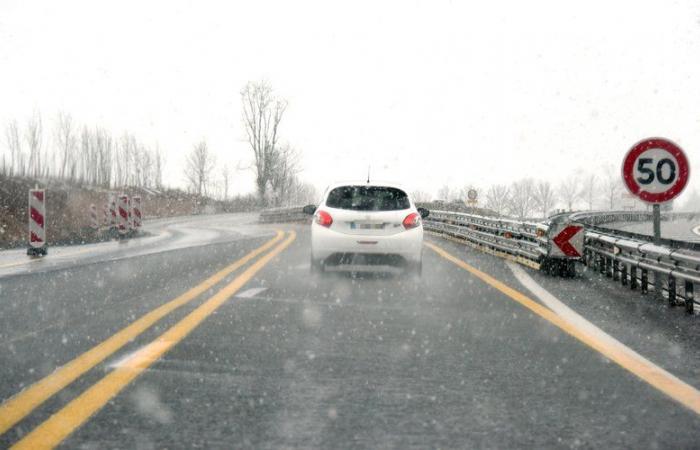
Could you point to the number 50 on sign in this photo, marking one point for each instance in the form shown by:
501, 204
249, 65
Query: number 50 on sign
656, 170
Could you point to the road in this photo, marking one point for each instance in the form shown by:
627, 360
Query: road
213, 334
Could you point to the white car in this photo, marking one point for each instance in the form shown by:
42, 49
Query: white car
358, 225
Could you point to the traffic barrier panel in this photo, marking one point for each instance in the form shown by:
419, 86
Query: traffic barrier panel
37, 222
112, 202
136, 208
123, 211
94, 224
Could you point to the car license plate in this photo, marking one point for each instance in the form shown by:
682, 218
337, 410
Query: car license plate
366, 226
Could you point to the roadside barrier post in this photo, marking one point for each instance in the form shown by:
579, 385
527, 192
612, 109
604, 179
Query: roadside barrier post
112, 209
671, 290
689, 297
94, 224
123, 210
136, 208
37, 223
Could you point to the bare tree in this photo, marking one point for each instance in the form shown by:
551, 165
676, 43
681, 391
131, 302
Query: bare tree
522, 198
159, 163
544, 197
33, 136
302, 193
589, 190
284, 169
226, 180
612, 186
199, 165
66, 140
570, 192
14, 144
420, 196
262, 114
497, 198
446, 193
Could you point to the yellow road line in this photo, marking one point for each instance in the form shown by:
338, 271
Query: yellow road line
16, 408
678, 390
60, 425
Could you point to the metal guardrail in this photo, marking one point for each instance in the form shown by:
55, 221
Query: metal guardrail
640, 263
521, 239
287, 214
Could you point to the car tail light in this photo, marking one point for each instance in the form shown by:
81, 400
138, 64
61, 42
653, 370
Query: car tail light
411, 221
323, 218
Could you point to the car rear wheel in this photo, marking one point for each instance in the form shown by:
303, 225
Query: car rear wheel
415, 269
316, 265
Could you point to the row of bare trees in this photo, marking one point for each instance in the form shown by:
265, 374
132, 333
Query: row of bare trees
528, 198
79, 154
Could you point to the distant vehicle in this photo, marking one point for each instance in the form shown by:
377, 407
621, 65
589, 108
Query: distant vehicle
365, 225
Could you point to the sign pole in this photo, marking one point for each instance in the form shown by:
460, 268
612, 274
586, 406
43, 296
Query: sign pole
656, 211
656, 170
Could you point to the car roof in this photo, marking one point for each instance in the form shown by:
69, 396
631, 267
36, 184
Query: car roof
365, 183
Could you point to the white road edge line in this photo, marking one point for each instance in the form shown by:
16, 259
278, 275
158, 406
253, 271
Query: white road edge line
250, 293
571, 316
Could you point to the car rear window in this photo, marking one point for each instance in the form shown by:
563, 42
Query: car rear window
368, 198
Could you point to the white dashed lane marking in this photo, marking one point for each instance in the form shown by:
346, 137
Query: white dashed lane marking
250, 293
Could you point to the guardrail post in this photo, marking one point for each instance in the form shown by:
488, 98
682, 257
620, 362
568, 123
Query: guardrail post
645, 281
623, 274
615, 270
602, 260
609, 265
633, 277
689, 297
671, 291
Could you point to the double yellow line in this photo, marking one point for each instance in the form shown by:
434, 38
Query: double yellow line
51, 432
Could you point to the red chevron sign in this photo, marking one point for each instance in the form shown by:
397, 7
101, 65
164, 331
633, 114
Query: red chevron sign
562, 240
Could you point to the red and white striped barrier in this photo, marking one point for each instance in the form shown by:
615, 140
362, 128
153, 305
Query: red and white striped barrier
37, 222
123, 210
94, 224
131, 217
136, 208
112, 209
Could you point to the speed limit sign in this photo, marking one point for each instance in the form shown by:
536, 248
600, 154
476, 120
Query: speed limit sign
656, 170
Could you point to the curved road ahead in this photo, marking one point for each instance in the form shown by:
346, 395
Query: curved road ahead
211, 333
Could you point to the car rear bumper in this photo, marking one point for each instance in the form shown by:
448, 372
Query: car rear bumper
326, 243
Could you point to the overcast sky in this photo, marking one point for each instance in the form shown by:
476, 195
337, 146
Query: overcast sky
427, 93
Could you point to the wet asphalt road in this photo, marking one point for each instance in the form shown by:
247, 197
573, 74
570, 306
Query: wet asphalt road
345, 361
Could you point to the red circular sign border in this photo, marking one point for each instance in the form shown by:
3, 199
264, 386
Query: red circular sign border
639, 148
